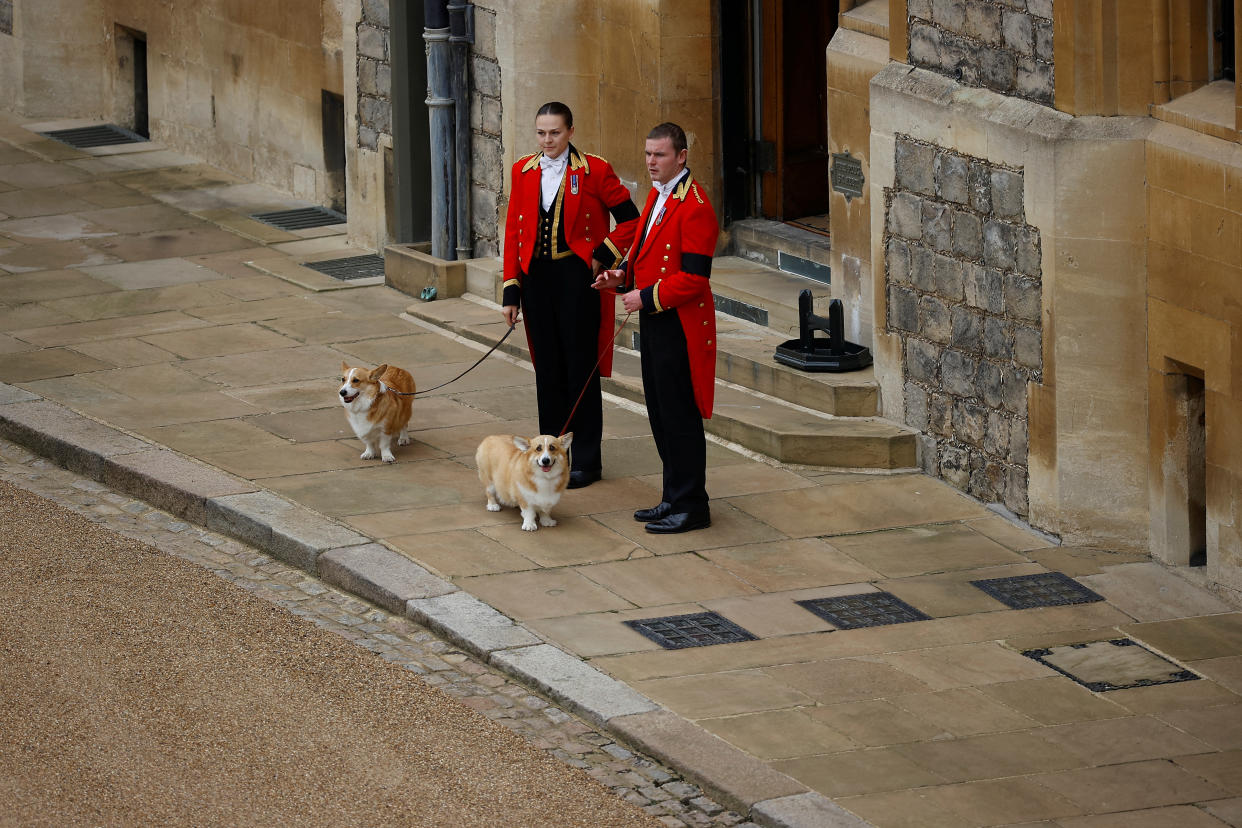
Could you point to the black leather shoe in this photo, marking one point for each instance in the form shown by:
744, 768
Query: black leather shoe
680, 522
580, 478
654, 513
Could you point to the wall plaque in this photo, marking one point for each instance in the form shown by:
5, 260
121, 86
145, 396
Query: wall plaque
847, 175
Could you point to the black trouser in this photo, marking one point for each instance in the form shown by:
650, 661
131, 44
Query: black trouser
676, 422
562, 321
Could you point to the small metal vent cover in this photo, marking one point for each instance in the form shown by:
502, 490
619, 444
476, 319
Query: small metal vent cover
700, 629
865, 609
1117, 664
1044, 589
352, 267
302, 218
100, 135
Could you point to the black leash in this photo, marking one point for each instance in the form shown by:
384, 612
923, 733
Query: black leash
459, 376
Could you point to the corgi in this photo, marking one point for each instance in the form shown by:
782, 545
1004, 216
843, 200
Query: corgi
377, 416
529, 474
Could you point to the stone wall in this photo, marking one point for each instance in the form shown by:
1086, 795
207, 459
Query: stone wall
1005, 45
964, 291
6, 17
374, 74
488, 175
375, 109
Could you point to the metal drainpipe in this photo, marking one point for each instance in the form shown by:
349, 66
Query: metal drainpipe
440, 106
461, 16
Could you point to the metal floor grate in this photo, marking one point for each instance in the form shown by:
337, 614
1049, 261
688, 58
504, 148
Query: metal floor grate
1045, 589
353, 267
302, 218
100, 135
701, 629
866, 609
1118, 664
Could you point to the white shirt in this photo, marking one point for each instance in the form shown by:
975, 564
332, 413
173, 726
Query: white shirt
552, 171
665, 191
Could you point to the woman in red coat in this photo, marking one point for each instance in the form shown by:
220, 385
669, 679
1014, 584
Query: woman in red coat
557, 239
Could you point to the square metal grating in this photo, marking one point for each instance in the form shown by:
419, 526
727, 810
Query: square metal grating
1118, 664
99, 135
700, 629
353, 267
302, 218
1044, 589
866, 609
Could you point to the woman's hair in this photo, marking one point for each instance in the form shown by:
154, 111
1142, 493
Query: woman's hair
557, 108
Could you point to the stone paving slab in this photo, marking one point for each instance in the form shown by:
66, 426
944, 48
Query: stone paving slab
470, 623
287, 530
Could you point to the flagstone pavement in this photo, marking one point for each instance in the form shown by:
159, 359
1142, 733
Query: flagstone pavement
134, 291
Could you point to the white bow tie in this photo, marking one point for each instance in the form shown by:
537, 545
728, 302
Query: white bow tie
551, 163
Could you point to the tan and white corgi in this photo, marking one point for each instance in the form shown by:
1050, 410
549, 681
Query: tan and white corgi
529, 474
377, 416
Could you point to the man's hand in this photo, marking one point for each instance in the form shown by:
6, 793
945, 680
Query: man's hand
596, 267
633, 301
511, 314
608, 279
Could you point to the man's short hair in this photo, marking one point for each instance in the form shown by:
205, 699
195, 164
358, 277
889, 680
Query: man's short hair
671, 131
557, 108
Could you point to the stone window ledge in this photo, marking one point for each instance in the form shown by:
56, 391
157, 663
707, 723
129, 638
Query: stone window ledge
1211, 109
869, 17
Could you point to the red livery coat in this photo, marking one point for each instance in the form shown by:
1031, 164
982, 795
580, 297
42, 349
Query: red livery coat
590, 194
672, 268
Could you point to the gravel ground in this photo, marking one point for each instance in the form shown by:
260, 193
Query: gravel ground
142, 689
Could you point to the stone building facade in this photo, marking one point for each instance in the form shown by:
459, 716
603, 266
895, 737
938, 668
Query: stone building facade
1106, 278
1003, 45
964, 299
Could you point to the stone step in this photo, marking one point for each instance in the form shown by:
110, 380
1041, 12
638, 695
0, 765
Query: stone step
789, 433
782, 246
763, 294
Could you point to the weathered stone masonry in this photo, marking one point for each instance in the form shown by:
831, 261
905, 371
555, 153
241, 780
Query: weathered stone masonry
374, 74
375, 110
1005, 45
963, 280
6, 17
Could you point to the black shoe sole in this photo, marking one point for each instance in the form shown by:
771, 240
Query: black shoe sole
689, 527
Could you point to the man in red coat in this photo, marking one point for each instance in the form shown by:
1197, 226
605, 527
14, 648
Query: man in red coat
557, 239
666, 280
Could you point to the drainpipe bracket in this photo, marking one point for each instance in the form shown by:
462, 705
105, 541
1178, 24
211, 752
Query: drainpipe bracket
467, 12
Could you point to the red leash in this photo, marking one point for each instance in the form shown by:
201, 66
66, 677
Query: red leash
603, 351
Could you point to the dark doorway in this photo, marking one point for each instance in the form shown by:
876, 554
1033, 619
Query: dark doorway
131, 99
142, 124
774, 108
334, 148
1193, 409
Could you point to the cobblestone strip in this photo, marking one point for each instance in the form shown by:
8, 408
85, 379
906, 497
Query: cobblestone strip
632, 777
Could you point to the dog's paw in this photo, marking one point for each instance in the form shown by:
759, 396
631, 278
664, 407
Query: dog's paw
388, 457
493, 507
547, 520
367, 455
529, 526
403, 440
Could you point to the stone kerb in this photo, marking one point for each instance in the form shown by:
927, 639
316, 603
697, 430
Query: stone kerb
964, 289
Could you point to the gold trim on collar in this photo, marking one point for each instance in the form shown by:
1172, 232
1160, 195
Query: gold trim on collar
578, 160
533, 162
683, 187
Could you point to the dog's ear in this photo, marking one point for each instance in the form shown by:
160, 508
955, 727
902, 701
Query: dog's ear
522, 443
344, 368
379, 372
566, 440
